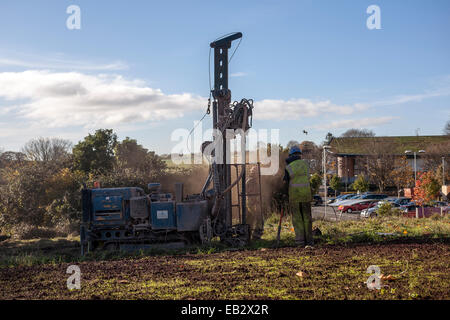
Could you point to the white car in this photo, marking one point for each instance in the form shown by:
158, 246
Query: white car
372, 212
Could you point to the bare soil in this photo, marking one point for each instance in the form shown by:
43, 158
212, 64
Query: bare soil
410, 271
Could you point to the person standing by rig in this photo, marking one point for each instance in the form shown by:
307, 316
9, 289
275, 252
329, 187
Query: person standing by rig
297, 176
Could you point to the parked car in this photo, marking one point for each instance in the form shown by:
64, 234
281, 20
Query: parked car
439, 204
358, 205
402, 201
363, 196
373, 211
330, 191
341, 197
374, 196
317, 200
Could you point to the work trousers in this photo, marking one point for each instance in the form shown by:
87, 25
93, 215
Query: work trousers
302, 221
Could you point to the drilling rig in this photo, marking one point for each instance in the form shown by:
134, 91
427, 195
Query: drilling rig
127, 218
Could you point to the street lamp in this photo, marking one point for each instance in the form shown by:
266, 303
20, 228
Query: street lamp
415, 162
324, 169
443, 171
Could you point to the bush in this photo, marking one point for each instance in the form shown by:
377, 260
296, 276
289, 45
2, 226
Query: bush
26, 232
360, 184
386, 210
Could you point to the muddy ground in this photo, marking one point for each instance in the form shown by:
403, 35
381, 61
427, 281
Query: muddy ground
410, 271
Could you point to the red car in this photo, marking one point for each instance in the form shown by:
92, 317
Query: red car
358, 205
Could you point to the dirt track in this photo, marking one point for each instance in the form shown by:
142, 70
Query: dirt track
417, 271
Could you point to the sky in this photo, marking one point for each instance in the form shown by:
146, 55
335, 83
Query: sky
141, 67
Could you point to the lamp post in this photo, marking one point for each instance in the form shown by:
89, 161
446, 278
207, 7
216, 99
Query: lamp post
324, 169
415, 162
443, 171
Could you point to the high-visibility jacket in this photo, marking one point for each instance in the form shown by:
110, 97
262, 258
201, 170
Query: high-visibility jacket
299, 189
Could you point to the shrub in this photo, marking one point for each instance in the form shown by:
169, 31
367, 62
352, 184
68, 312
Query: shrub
360, 184
386, 210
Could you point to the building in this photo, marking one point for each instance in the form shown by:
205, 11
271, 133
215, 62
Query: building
353, 153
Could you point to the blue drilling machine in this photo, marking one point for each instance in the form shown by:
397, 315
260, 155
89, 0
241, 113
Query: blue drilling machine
128, 218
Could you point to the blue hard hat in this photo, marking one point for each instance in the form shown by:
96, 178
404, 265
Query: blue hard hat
294, 149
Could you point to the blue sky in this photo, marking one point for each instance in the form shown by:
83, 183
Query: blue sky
141, 67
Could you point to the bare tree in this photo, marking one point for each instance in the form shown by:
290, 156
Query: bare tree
313, 155
402, 175
358, 133
47, 149
447, 128
380, 162
435, 153
292, 143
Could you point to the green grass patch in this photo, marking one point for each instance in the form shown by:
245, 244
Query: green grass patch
372, 230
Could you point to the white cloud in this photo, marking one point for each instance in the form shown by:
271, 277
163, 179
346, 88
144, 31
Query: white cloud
61, 99
405, 98
300, 108
238, 74
355, 123
72, 98
58, 64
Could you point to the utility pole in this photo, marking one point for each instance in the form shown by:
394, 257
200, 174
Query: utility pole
415, 162
324, 169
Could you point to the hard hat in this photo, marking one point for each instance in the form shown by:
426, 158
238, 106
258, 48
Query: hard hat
294, 149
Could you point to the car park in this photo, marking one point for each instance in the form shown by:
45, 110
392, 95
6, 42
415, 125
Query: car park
373, 211
363, 196
356, 206
439, 204
317, 200
341, 197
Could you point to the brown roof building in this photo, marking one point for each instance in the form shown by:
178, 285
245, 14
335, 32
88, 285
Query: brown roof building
352, 153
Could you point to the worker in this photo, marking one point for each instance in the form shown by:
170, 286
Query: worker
297, 176
254, 214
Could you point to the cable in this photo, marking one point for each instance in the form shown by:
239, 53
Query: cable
235, 50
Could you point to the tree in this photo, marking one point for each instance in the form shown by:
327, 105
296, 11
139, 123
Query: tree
95, 152
292, 143
328, 138
402, 174
46, 149
434, 154
380, 162
361, 184
335, 183
131, 155
312, 154
11, 159
447, 128
426, 189
358, 133
315, 182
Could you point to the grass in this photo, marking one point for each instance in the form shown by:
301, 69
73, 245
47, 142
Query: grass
336, 269
373, 230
